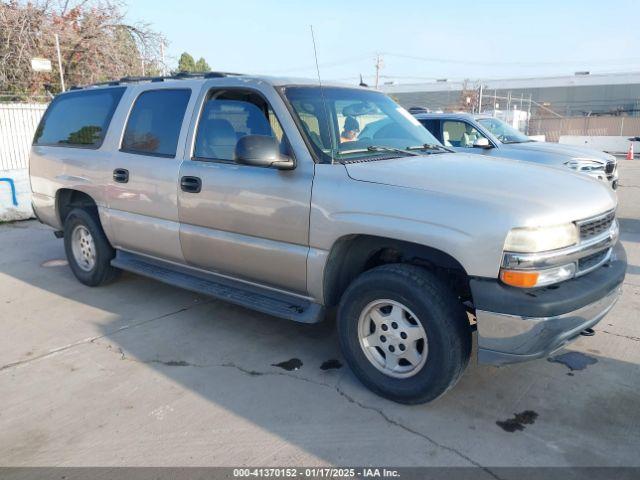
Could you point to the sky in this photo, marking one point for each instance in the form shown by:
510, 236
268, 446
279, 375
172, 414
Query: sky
417, 40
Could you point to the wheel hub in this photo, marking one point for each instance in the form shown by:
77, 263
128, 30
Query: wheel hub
83, 248
392, 338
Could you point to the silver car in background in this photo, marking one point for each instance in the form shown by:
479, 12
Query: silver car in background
486, 135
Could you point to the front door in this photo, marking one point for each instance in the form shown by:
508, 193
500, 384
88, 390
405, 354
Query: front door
244, 221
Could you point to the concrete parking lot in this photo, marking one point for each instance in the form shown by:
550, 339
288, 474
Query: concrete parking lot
140, 373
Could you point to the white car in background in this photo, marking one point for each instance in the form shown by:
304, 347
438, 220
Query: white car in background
486, 135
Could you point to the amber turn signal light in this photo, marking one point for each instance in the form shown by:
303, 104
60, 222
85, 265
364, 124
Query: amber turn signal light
520, 279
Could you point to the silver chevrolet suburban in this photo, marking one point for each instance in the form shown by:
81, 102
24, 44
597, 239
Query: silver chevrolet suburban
275, 195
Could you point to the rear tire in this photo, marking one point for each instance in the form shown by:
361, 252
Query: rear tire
88, 251
404, 333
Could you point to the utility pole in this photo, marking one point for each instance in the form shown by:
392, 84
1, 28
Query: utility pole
379, 65
142, 60
480, 100
59, 61
164, 69
529, 113
495, 101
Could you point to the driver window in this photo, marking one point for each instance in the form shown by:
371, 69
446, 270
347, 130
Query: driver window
227, 116
459, 134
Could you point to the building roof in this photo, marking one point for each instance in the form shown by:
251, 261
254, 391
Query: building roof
627, 78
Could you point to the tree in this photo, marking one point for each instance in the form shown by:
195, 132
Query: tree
202, 65
186, 63
96, 44
469, 98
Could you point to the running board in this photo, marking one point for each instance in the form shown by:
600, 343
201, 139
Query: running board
256, 298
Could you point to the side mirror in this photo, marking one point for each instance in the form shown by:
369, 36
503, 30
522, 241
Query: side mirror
482, 143
261, 151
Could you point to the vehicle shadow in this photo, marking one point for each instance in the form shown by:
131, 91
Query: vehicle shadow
629, 226
242, 362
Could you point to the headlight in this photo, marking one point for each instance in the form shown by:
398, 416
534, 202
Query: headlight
584, 165
540, 239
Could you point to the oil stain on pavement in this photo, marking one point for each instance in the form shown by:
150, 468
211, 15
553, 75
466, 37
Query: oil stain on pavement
331, 364
573, 360
519, 420
289, 365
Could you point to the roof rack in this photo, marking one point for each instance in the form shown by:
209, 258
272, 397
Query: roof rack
176, 76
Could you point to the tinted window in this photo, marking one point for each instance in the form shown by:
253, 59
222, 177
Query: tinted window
154, 124
229, 115
433, 126
79, 119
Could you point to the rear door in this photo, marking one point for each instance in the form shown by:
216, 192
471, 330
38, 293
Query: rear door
142, 191
244, 221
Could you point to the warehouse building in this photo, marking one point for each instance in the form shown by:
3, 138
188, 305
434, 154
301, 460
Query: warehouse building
581, 94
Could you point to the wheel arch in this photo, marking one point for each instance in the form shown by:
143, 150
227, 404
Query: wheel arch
352, 255
67, 199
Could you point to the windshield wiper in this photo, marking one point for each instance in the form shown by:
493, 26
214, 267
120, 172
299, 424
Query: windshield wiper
431, 146
380, 148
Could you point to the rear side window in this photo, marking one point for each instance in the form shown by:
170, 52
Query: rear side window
78, 119
154, 124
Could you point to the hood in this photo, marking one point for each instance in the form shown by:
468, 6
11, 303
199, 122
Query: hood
537, 192
570, 151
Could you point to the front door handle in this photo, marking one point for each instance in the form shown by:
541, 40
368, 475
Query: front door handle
121, 175
191, 184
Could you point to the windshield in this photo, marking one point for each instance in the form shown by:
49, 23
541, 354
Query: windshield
503, 131
347, 123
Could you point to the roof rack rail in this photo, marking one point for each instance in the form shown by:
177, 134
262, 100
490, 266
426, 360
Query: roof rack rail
175, 76
133, 79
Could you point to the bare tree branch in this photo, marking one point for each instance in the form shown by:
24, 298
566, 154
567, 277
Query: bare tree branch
96, 43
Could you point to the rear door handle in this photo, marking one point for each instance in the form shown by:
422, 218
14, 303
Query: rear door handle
191, 184
121, 175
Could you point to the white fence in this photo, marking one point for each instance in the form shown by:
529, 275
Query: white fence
610, 144
18, 123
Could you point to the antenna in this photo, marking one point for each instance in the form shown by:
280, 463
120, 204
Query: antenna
324, 102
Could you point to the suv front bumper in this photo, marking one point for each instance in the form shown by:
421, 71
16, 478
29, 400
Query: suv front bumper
516, 325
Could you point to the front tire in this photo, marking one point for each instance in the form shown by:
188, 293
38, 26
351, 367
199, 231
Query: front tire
89, 253
404, 333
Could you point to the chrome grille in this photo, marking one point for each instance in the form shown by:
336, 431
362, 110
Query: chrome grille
593, 228
611, 166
